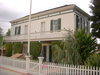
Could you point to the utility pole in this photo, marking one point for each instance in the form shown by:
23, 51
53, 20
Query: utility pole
28, 51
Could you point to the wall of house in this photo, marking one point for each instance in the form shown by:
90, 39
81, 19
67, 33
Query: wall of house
67, 22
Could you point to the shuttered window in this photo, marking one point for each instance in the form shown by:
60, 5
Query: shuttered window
55, 25
77, 21
17, 30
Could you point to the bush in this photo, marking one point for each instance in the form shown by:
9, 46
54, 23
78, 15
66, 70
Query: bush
55, 52
8, 48
35, 49
75, 49
17, 47
86, 43
1, 38
93, 60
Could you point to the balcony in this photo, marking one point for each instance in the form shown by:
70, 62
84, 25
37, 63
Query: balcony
37, 36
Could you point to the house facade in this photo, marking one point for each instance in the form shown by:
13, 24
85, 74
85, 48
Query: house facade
49, 25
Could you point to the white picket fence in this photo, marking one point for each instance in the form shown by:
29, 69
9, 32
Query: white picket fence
36, 68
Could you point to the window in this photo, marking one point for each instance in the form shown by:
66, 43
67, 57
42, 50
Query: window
77, 22
17, 30
26, 29
86, 26
81, 23
55, 25
42, 26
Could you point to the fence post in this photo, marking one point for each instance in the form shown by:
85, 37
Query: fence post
0, 60
27, 64
40, 63
1, 57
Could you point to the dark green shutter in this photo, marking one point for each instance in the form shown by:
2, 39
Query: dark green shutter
51, 26
15, 30
81, 23
59, 24
19, 29
77, 22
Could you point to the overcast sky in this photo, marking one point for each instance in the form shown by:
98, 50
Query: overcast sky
13, 9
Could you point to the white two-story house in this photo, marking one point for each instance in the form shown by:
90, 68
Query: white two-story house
49, 25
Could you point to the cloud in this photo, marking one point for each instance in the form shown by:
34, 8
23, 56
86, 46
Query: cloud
7, 14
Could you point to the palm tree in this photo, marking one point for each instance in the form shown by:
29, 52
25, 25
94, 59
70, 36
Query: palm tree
75, 49
66, 51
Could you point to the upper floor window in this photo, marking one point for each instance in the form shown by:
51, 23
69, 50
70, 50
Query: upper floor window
77, 22
26, 29
42, 26
81, 23
17, 30
55, 25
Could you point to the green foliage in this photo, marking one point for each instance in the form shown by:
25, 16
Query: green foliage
35, 49
93, 60
8, 48
56, 53
95, 7
86, 44
1, 40
75, 49
8, 32
1, 31
17, 47
66, 51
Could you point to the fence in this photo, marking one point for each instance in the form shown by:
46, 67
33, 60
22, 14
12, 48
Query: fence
49, 68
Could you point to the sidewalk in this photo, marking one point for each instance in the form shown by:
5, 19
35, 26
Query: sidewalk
8, 72
5, 71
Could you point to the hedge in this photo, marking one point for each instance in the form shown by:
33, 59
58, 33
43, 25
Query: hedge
17, 47
35, 49
8, 48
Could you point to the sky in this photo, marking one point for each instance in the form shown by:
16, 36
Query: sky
13, 9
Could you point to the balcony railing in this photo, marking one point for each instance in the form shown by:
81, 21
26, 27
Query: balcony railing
38, 36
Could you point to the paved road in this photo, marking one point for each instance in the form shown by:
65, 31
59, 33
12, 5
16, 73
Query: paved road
8, 72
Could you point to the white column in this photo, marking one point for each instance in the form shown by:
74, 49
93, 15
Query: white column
40, 63
47, 53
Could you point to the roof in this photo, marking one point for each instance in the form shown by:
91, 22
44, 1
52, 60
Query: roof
54, 10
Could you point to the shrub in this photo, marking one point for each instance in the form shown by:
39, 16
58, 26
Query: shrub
1, 38
35, 49
93, 60
8, 48
75, 49
18, 47
55, 52
87, 44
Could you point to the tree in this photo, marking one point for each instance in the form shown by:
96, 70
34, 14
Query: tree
1, 41
8, 48
1, 38
95, 7
66, 51
17, 47
35, 49
8, 32
0, 31
75, 49
87, 44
